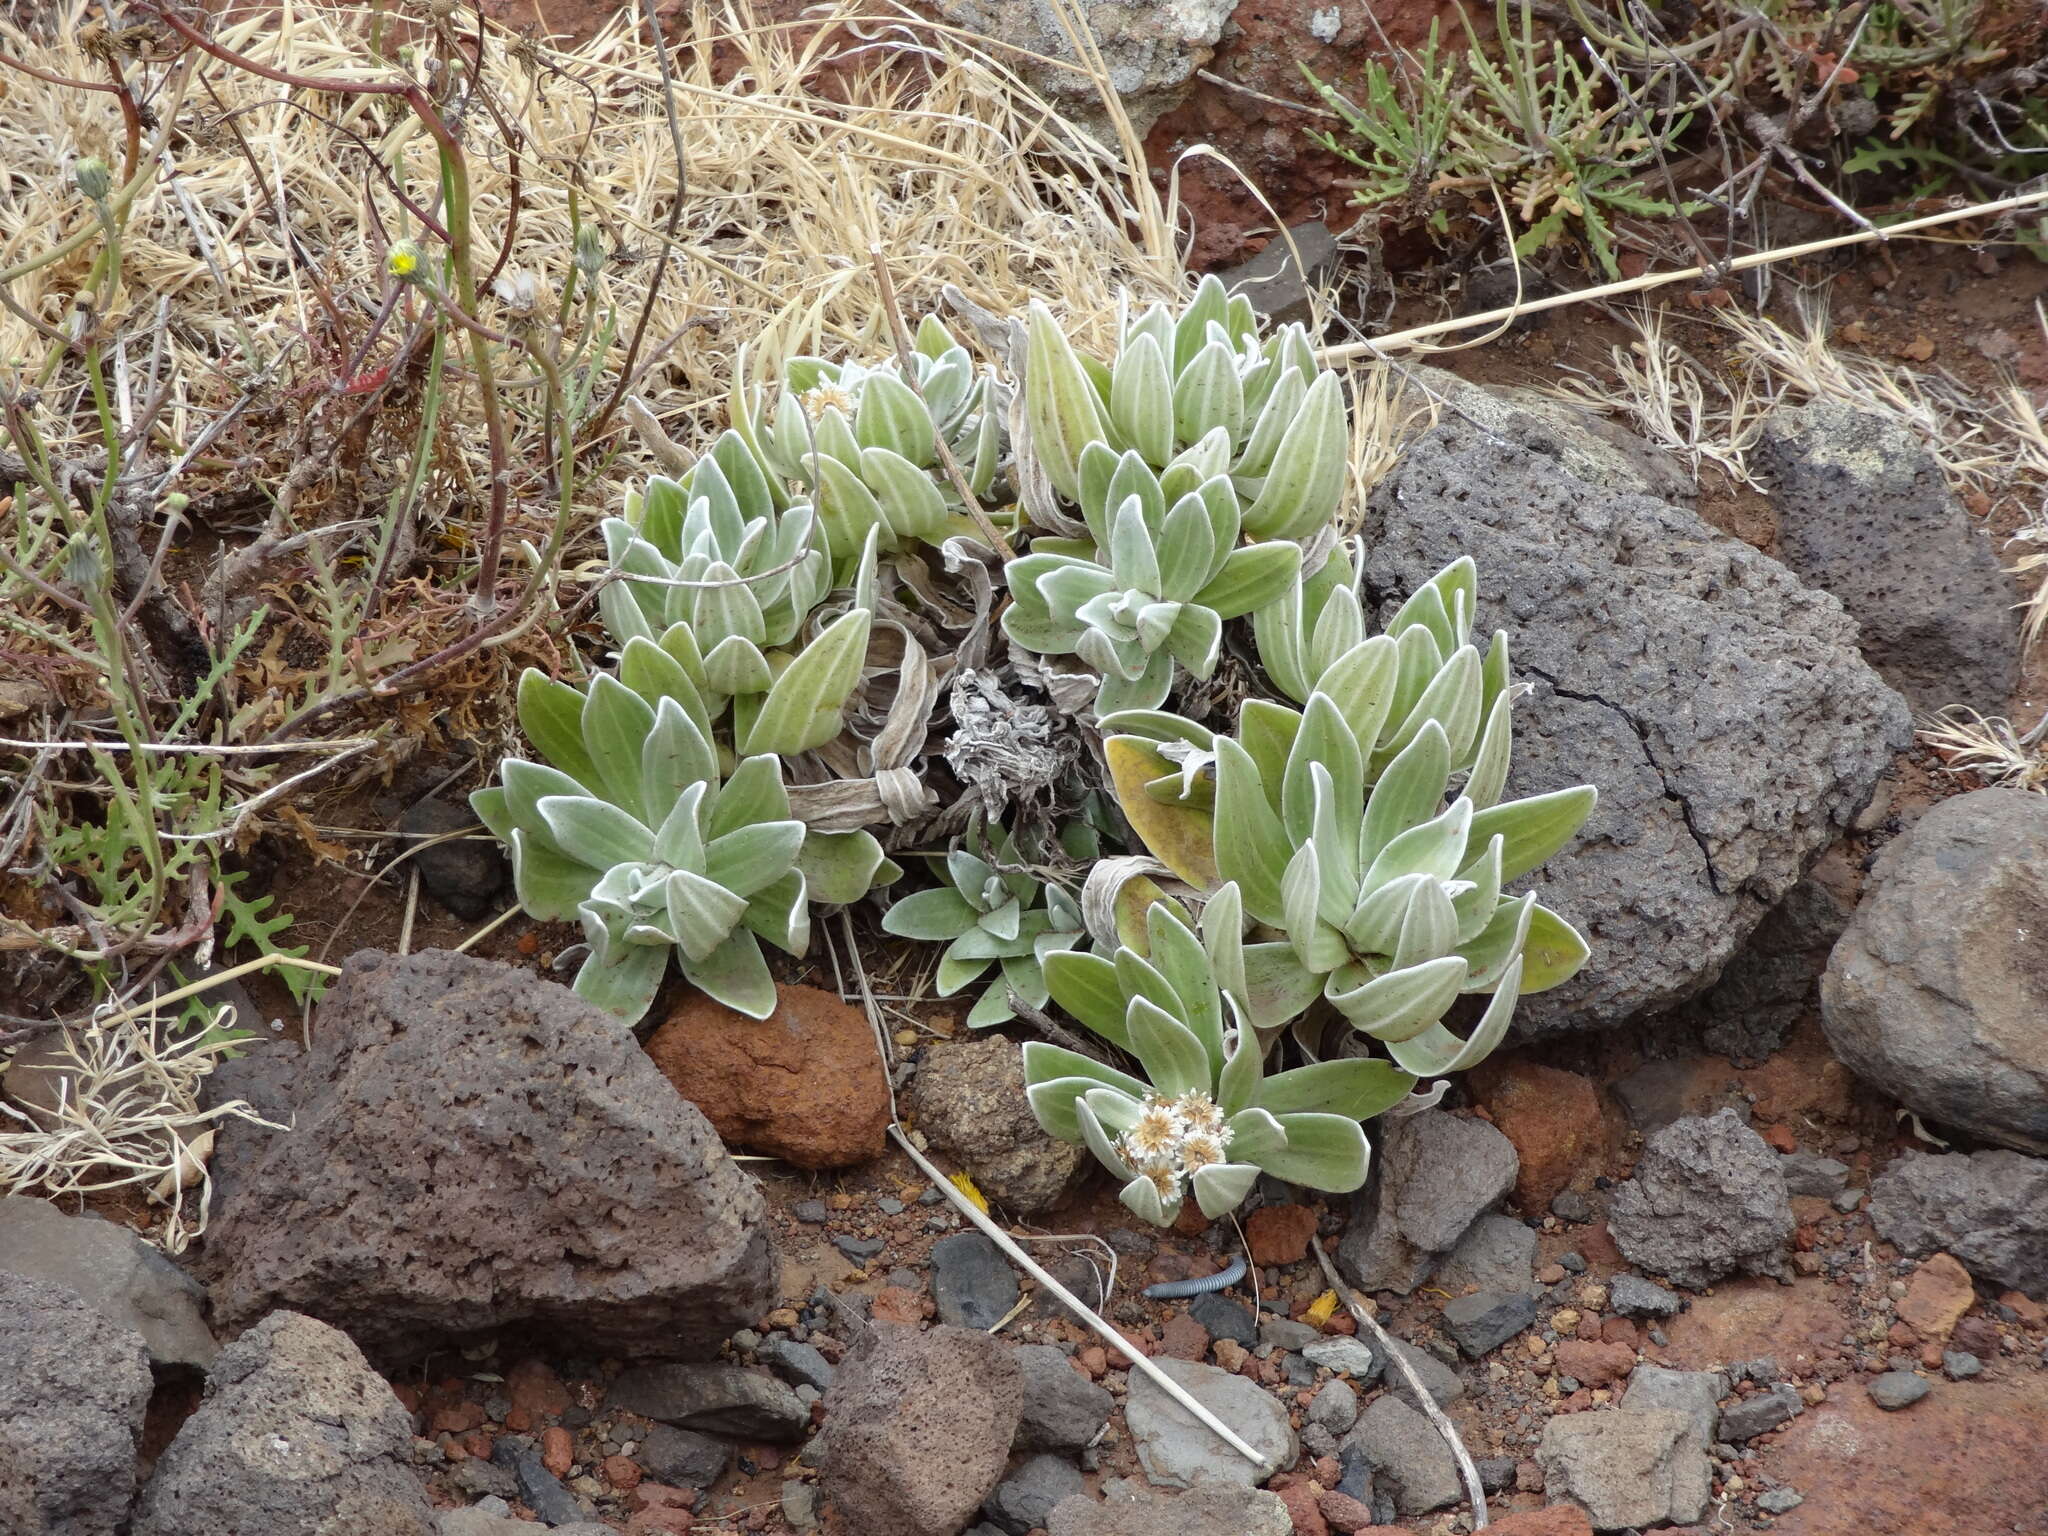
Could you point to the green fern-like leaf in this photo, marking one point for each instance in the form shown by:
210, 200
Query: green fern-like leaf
248, 924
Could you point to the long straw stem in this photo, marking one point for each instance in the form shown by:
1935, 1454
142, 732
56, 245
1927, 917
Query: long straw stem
1078, 1307
1403, 340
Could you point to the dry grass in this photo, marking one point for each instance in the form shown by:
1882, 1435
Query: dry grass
804, 148
1674, 401
127, 1115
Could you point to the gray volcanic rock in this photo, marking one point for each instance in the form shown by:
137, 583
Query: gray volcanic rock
918, 1428
1865, 512
128, 1280
475, 1152
73, 1387
1938, 992
1722, 709
297, 1436
1707, 1198
1990, 1210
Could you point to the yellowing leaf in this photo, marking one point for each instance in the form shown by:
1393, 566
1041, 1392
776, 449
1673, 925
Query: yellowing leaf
1180, 836
1320, 1310
965, 1185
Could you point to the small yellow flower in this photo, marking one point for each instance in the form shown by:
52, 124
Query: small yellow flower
404, 261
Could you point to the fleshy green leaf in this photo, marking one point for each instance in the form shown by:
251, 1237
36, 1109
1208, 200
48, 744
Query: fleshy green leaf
936, 914
1327, 1152
1534, 828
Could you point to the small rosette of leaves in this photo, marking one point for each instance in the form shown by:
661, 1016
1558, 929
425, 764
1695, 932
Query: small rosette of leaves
1264, 414
630, 829
990, 915
719, 590
1204, 1117
1162, 570
1424, 667
688, 549
862, 440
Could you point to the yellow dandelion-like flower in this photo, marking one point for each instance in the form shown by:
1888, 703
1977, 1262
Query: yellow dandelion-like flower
404, 260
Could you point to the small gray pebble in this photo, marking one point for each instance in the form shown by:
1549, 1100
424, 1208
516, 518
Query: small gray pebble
746, 1341
1958, 1364
1574, 1262
1847, 1200
1570, 1205
812, 1211
890, 1206
930, 1197
1897, 1389
1779, 1501
860, 1249
1657, 1338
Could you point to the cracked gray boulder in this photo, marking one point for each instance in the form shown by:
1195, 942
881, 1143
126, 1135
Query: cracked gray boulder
1938, 992
1720, 707
297, 1436
475, 1152
1865, 512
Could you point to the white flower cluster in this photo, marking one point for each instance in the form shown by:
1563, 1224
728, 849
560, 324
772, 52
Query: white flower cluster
1171, 1138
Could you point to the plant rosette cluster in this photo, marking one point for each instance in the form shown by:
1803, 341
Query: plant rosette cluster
990, 911
631, 829
1205, 1118
1376, 884
862, 440
1197, 436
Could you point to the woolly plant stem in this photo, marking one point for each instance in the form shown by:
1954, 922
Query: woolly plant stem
1079, 1308
1467, 1472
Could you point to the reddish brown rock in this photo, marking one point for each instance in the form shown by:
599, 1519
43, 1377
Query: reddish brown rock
893, 1304
1182, 1338
1279, 1234
1743, 1319
536, 1394
557, 1450
1553, 1118
1304, 1510
1341, 1512
1963, 1461
622, 1472
804, 1084
1936, 1297
1557, 1520
1595, 1365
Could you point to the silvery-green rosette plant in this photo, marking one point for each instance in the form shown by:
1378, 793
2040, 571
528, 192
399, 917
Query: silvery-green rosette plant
631, 828
990, 911
726, 585
1196, 437
1161, 571
1205, 1118
1342, 832
1262, 414
861, 440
